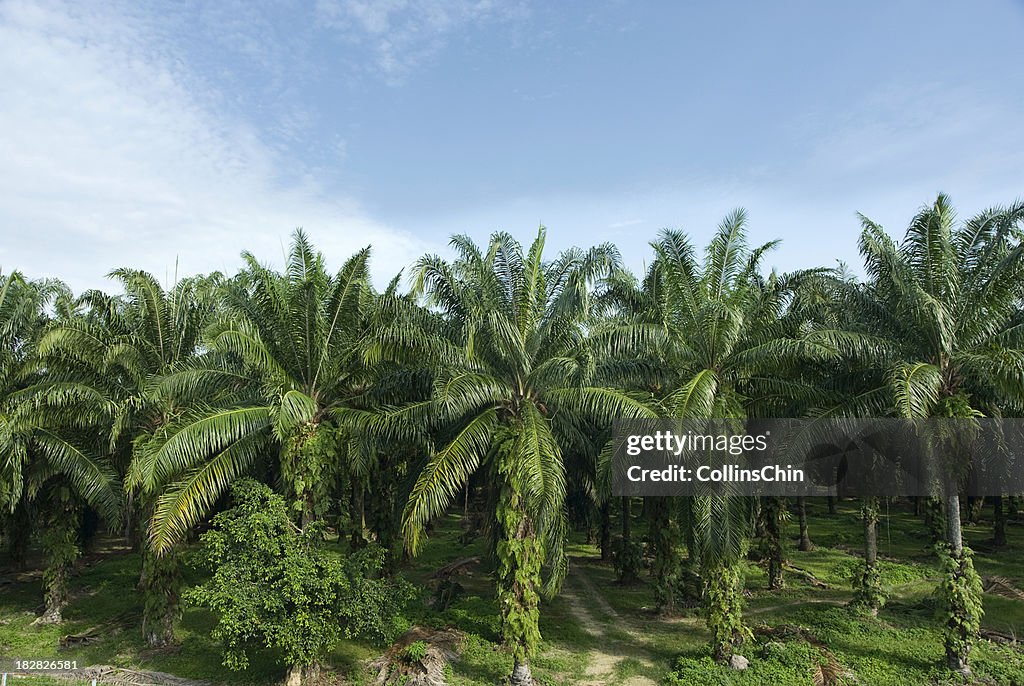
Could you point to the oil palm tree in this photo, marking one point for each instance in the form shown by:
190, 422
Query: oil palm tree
733, 357
114, 354
509, 402
48, 436
633, 332
945, 305
282, 366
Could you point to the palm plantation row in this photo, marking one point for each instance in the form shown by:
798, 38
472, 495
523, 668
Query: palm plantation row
493, 383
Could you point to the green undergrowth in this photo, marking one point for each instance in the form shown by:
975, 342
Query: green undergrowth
901, 647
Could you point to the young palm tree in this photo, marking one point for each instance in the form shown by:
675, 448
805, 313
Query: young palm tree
945, 304
511, 399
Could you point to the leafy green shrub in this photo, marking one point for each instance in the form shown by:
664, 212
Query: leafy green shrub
273, 585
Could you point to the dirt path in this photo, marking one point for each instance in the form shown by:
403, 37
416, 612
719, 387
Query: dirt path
581, 595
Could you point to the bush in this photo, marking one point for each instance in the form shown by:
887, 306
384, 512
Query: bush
274, 586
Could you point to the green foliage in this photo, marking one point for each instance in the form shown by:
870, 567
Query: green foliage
274, 586
790, 663
891, 573
61, 547
161, 586
288, 375
627, 559
723, 609
307, 462
702, 671
868, 594
959, 607
415, 652
520, 557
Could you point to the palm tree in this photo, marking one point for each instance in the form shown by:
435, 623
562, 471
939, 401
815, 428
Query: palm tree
284, 365
48, 437
114, 354
945, 306
509, 401
734, 357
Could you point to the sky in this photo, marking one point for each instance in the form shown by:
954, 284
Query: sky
170, 136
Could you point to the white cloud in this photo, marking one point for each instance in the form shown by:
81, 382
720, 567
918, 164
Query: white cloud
111, 156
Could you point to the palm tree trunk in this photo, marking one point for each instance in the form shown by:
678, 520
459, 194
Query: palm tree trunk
935, 519
606, 532
805, 538
998, 521
60, 543
627, 516
521, 674
302, 675
724, 609
665, 568
974, 507
963, 607
520, 558
867, 590
160, 582
356, 508
628, 554
690, 532
870, 517
772, 519
954, 533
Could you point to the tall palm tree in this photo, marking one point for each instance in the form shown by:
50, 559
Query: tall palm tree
114, 353
945, 305
733, 357
509, 401
48, 436
632, 330
282, 366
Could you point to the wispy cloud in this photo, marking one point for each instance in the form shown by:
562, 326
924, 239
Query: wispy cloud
403, 34
948, 137
112, 155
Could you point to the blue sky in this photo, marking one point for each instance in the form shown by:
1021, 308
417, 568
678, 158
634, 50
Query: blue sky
150, 134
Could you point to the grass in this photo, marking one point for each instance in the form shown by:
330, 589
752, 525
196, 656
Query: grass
595, 622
